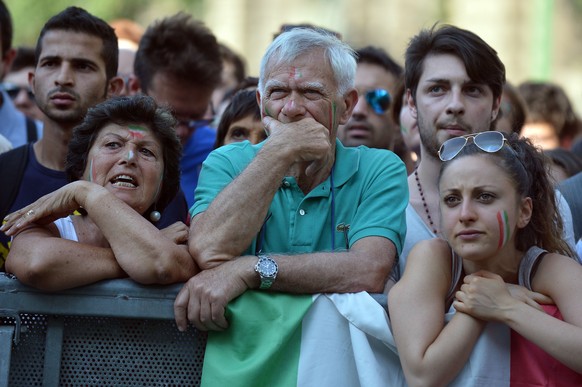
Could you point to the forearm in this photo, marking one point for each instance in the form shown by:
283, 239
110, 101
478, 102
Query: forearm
560, 339
237, 213
444, 358
57, 264
364, 268
143, 252
345, 272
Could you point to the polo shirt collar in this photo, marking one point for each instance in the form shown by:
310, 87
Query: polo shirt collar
347, 162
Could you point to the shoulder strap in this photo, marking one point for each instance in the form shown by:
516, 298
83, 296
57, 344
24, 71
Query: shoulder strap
528, 265
31, 133
12, 165
456, 273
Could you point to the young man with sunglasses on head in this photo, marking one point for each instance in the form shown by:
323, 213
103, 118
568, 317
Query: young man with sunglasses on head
179, 64
376, 80
454, 82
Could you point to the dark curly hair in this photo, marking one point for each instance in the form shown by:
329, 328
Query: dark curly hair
528, 168
138, 109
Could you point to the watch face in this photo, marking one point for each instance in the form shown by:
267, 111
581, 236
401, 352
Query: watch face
267, 267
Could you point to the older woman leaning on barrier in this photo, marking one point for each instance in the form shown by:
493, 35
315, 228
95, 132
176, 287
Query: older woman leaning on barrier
124, 163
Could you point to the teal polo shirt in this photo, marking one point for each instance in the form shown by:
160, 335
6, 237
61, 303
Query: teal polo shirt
368, 198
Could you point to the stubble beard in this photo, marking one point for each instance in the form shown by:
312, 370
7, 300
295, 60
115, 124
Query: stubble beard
428, 136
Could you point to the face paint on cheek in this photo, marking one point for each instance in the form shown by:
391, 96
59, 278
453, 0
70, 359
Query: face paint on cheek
266, 112
503, 221
136, 131
332, 114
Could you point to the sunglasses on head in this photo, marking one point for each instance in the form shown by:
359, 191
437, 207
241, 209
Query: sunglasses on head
13, 91
379, 100
490, 142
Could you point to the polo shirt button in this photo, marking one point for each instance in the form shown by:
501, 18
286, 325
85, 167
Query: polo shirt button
286, 184
302, 212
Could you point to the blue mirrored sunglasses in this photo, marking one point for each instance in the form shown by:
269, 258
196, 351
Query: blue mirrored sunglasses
379, 100
490, 142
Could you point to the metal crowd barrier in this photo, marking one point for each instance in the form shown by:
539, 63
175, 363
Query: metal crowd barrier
111, 333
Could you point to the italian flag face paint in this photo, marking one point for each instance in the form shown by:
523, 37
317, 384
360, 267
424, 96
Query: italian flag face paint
503, 221
295, 73
332, 115
136, 131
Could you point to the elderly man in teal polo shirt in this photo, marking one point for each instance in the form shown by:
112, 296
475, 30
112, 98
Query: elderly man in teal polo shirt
297, 214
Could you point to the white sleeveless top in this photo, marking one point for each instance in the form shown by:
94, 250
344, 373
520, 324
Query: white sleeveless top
66, 228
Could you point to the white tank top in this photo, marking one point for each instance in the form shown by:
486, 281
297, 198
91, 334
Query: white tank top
66, 228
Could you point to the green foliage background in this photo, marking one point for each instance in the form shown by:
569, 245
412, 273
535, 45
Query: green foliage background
30, 15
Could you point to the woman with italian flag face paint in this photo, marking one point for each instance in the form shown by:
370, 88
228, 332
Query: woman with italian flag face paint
501, 260
481, 212
124, 163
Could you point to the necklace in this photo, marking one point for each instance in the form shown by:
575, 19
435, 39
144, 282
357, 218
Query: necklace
421, 192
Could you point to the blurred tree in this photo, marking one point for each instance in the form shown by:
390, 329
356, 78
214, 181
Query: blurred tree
30, 15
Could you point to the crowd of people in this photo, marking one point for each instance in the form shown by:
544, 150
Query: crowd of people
282, 202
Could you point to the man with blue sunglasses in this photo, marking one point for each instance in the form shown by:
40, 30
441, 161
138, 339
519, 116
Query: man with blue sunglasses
371, 124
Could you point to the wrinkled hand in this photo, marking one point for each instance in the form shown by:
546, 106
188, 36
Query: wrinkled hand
47, 209
306, 139
484, 295
203, 299
178, 232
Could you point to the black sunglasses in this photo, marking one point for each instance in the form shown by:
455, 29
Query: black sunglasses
13, 91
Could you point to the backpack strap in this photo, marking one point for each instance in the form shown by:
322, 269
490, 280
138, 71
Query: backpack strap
31, 132
12, 165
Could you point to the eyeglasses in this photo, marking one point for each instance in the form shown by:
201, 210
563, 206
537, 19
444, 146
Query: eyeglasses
490, 142
195, 124
379, 100
13, 91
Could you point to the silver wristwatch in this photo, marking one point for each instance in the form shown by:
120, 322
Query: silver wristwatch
267, 269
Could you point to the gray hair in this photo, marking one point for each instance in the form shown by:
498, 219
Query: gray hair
289, 45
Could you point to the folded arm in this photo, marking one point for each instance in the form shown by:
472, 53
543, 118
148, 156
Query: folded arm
235, 215
39, 257
146, 254
484, 295
203, 299
431, 352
